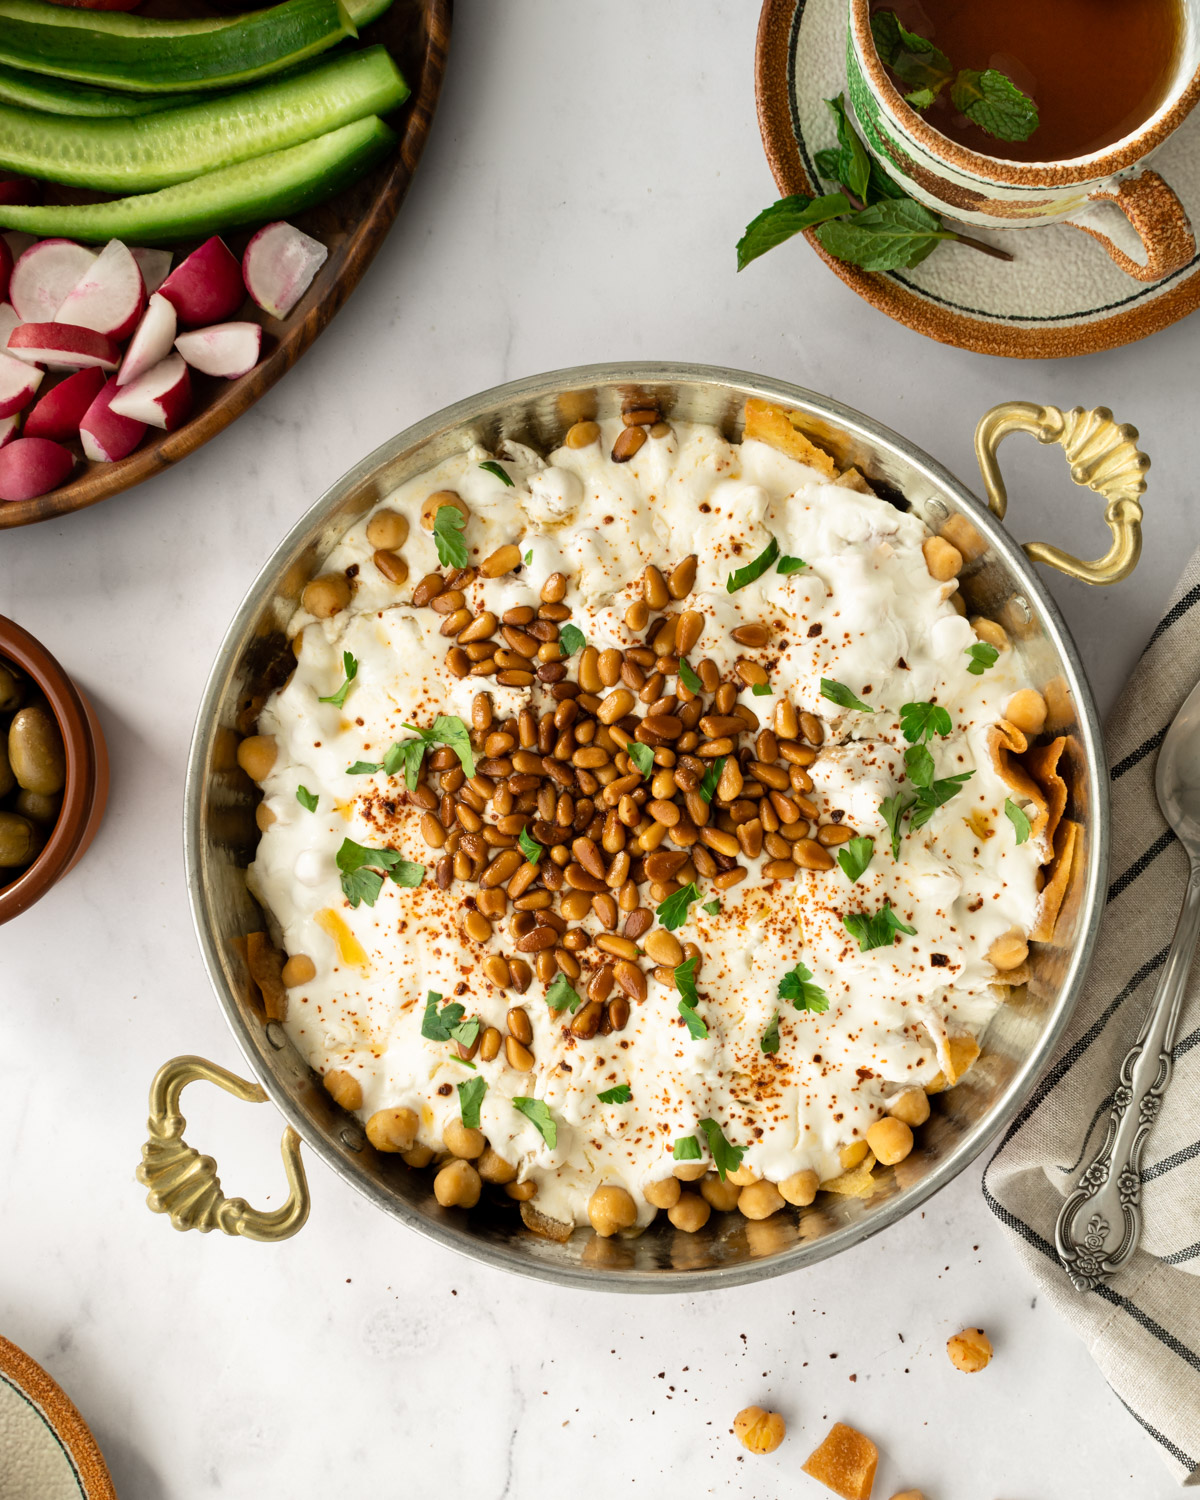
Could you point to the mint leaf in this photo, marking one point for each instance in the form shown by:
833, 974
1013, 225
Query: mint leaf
797, 986
854, 159
672, 912
493, 467
1021, 824
784, 219
708, 782
306, 798
855, 855
561, 995
919, 722
350, 668
687, 1148
448, 526
641, 755
470, 1097
788, 565
770, 1037
536, 1110
688, 677
530, 847
930, 798
435, 1024
994, 102
876, 929
838, 164
839, 693
919, 764
570, 640
982, 657
914, 59
726, 1158
622, 1094
742, 576
762, 690
889, 236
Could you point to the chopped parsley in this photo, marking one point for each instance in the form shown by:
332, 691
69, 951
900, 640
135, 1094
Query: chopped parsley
436, 1025
1018, 819
622, 1094
790, 565
470, 1097
770, 1037
855, 855
529, 557
688, 677
350, 669
561, 995
306, 798
919, 764
839, 693
448, 526
711, 907
448, 729
642, 756
762, 690
930, 798
570, 640
687, 1148
726, 1158
982, 657
797, 986
877, 929
892, 810
498, 470
921, 721
672, 912
708, 782
742, 576
536, 1110
360, 867
530, 847
685, 983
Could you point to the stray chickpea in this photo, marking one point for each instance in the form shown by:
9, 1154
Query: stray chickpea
853, 1154
299, 969
327, 595
969, 1350
256, 755
662, 1194
943, 560
759, 1431
392, 1129
344, 1089
521, 1191
457, 1185
433, 503
722, 1196
1027, 710
760, 1200
611, 1209
1008, 951
418, 1156
690, 1214
989, 632
890, 1139
800, 1188
492, 1167
912, 1106
463, 1141
387, 529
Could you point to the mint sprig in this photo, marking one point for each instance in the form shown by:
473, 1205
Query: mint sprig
350, 671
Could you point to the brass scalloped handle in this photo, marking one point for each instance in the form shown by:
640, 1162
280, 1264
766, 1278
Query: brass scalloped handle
185, 1184
1104, 457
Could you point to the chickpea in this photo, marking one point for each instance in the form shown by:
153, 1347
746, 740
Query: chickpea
463, 1141
690, 1171
690, 1213
327, 595
611, 1209
969, 1350
943, 560
890, 1139
909, 1495
853, 1154
457, 1185
256, 755
264, 817
758, 1430
912, 1106
760, 1200
344, 1089
492, 1167
417, 1156
521, 1191
743, 1177
1008, 951
393, 1130
991, 633
720, 1195
662, 1194
387, 529
800, 1188
299, 969
433, 503
1027, 710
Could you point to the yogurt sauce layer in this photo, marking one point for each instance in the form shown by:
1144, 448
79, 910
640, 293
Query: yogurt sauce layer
864, 612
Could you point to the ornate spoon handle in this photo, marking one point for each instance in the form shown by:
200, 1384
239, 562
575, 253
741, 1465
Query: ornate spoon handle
1099, 1224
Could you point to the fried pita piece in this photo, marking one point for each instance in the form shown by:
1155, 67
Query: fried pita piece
1005, 743
1012, 979
251, 994
1058, 878
958, 1054
540, 1223
266, 969
857, 1183
851, 479
844, 1463
777, 427
1041, 761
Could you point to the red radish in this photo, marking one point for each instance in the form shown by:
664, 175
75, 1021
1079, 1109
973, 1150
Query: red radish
9, 321
44, 275
20, 190
152, 341
162, 397
154, 265
18, 382
106, 435
60, 411
6, 265
228, 349
109, 296
279, 265
207, 287
9, 427
62, 346
32, 466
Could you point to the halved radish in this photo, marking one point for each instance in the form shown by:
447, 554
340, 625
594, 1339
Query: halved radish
60, 411
162, 397
9, 427
18, 382
32, 466
154, 265
279, 265
6, 265
20, 190
44, 275
207, 287
105, 434
228, 349
152, 340
62, 346
109, 296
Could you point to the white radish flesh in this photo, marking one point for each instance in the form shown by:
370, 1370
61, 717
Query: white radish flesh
227, 349
62, 346
59, 412
207, 287
109, 296
279, 265
152, 340
9, 427
18, 382
106, 435
43, 277
162, 397
154, 266
31, 467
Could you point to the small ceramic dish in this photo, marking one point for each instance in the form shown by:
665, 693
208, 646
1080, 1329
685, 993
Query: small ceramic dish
86, 790
47, 1451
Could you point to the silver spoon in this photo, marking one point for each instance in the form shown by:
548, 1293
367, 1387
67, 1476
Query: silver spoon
1099, 1224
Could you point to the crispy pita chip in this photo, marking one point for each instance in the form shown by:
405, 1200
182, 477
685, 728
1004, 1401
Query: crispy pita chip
1041, 761
266, 969
1011, 979
855, 1184
1005, 743
851, 479
844, 1463
776, 427
251, 994
958, 1055
540, 1223
1057, 880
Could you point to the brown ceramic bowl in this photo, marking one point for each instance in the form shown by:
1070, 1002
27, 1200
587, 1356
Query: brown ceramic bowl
86, 790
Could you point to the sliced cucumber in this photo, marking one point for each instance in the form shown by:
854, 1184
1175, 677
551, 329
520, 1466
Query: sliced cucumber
172, 145
363, 12
147, 56
34, 91
266, 187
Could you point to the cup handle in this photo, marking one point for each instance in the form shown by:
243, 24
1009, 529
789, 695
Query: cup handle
1158, 219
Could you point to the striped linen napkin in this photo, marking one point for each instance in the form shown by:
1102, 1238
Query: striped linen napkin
1143, 1327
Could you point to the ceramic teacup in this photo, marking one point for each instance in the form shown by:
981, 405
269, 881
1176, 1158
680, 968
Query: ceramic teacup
1153, 238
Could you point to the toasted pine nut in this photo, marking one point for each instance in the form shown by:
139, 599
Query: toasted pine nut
787, 725
637, 615
519, 1024
629, 440
682, 578
688, 631
428, 589
582, 434
496, 969
620, 700
489, 1043
810, 855
477, 926
518, 1055
390, 564
664, 948
654, 588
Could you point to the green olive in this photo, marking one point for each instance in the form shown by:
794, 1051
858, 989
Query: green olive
11, 689
39, 807
7, 779
19, 840
35, 749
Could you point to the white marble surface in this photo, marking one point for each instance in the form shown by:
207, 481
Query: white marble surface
589, 173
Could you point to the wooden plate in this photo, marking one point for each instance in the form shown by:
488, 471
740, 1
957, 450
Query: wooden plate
352, 225
46, 1449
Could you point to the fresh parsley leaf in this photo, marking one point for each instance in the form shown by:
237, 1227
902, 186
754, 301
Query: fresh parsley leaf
982, 657
914, 59
350, 668
530, 847
797, 986
465, 1033
762, 690
641, 755
687, 1148
536, 1110
407, 874
711, 907
892, 810
361, 885
493, 467
688, 677
893, 235
742, 576
839, 693
770, 1037
685, 983
448, 526
726, 1158
672, 912
855, 855
306, 798
875, 929
529, 557
622, 1094
930, 798
708, 782
364, 768
561, 996
470, 1097
919, 722
783, 219
360, 866
788, 565
448, 729
994, 102
854, 159
919, 764
435, 1024
570, 640
1021, 824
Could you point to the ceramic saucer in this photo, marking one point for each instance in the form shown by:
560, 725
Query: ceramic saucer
46, 1449
1059, 296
